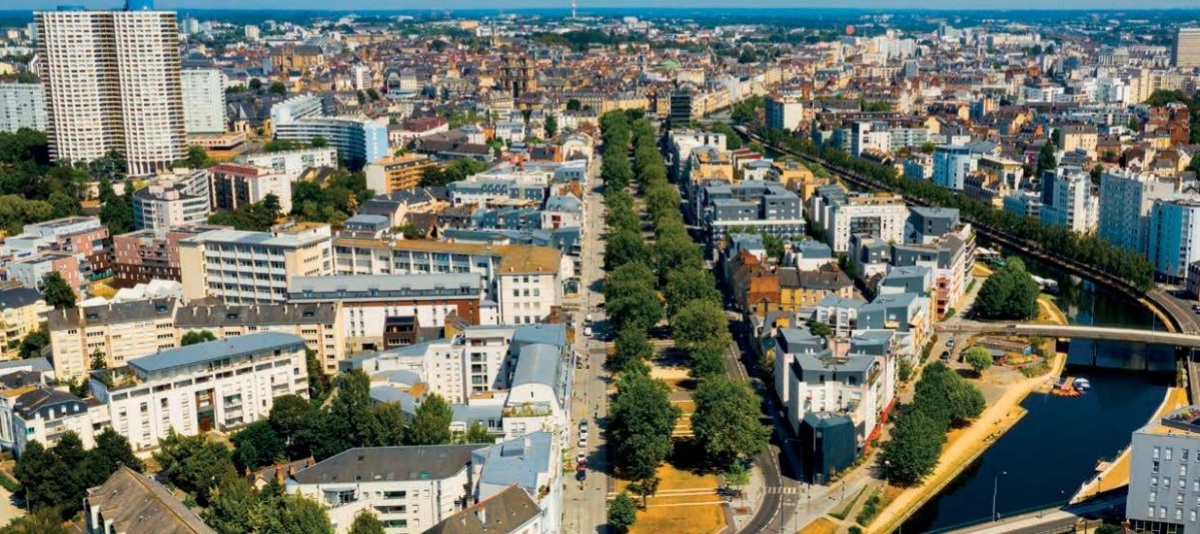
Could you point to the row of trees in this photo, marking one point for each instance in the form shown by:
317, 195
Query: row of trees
942, 400
1085, 249
1009, 293
57, 478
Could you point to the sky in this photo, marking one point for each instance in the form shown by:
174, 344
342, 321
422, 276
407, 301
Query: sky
585, 4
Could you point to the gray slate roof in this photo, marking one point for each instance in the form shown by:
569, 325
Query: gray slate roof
212, 350
368, 464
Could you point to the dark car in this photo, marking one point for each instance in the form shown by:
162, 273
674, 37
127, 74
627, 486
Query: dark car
581, 475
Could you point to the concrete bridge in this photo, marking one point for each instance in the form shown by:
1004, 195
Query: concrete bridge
1102, 333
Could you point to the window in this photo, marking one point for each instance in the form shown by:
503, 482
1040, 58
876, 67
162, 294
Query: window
1162, 512
1153, 495
1157, 450
1169, 450
1178, 514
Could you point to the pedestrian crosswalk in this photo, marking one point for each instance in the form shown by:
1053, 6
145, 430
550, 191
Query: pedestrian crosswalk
776, 490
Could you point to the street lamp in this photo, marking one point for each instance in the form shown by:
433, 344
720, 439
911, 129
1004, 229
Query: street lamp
887, 472
995, 488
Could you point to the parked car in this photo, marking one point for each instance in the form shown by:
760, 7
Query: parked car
583, 441
581, 460
587, 331
950, 343
583, 425
581, 475
945, 356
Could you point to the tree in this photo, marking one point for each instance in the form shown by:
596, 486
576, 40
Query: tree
192, 337
197, 158
194, 463
820, 329
57, 292
705, 360
1047, 160
551, 125
737, 475
257, 445
34, 342
231, 507
978, 358
365, 522
622, 248
912, 453
349, 422
1009, 293
622, 513
255, 84
574, 105
318, 381
726, 420
640, 310
477, 432
632, 349
319, 142
431, 423
112, 450
297, 421
31, 471
687, 285
46, 520
98, 361
641, 420
277, 88
701, 323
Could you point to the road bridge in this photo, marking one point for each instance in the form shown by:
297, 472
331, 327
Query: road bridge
1099, 333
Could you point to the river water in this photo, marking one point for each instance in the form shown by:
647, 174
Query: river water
1055, 447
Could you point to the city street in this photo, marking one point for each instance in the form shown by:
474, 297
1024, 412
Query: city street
585, 509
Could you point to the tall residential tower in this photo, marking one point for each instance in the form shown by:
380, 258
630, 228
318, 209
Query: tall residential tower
112, 82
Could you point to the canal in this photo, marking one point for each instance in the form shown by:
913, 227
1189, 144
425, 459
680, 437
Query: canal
1055, 448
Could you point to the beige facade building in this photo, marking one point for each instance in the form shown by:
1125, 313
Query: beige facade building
1186, 52
22, 310
112, 82
118, 332
253, 267
318, 324
397, 173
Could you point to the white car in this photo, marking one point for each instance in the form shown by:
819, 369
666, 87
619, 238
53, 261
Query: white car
587, 331
583, 441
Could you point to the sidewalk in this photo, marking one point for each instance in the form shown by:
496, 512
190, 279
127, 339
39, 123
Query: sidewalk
754, 493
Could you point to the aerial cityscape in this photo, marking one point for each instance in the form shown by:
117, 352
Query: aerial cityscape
599, 268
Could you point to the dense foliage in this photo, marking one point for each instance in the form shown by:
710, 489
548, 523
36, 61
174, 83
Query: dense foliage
58, 478
1009, 293
942, 399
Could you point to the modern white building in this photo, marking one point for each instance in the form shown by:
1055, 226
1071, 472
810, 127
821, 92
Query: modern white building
170, 201
358, 140
1125, 201
1174, 236
22, 105
412, 489
253, 267
785, 111
233, 185
1068, 200
39, 413
203, 101
362, 77
1163, 488
218, 385
293, 163
842, 215
112, 82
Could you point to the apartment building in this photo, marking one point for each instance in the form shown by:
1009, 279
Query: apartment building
167, 203
293, 163
359, 141
843, 214
513, 512
1164, 490
750, 207
785, 111
31, 271
22, 105
153, 254
529, 284
397, 173
369, 304
1174, 236
112, 82
22, 310
682, 142
1068, 199
233, 185
320, 325
220, 385
253, 267
42, 414
816, 380
952, 165
1124, 208
118, 332
203, 101
1185, 50
83, 236
949, 257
